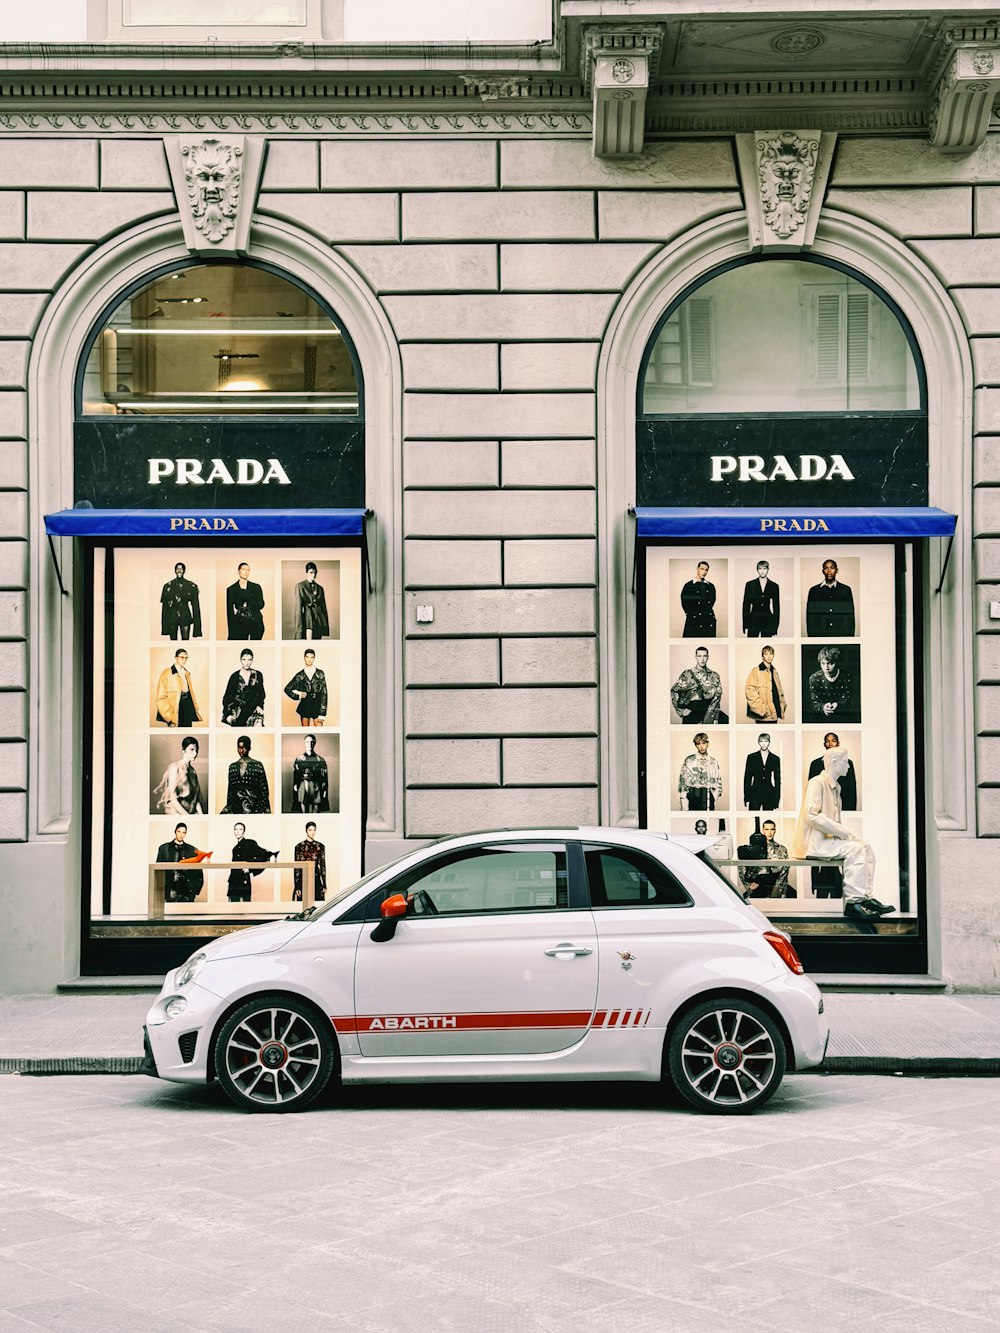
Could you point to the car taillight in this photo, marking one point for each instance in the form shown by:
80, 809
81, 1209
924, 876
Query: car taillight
783, 948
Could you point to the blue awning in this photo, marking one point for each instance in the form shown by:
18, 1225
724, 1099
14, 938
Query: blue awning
902, 524
206, 522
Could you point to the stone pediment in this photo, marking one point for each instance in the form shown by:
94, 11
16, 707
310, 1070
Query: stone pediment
648, 69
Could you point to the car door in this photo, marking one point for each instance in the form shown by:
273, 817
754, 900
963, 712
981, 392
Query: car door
647, 928
497, 955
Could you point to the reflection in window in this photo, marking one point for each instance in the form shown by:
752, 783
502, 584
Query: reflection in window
220, 339
624, 878
781, 336
223, 13
492, 881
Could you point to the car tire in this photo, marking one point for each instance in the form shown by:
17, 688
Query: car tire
726, 1056
274, 1054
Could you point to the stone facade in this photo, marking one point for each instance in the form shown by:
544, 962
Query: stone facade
500, 262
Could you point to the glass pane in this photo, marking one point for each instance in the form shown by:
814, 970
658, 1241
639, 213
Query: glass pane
781, 336
495, 881
210, 746
798, 652
224, 13
219, 339
623, 879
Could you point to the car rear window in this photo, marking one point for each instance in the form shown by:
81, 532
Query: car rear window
622, 877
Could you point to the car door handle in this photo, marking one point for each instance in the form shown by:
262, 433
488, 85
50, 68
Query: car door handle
573, 950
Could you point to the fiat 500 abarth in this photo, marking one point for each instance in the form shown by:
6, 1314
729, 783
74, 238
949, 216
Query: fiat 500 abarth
536, 954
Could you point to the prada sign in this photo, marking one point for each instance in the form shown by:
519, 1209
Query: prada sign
806, 467
136, 463
761, 462
215, 471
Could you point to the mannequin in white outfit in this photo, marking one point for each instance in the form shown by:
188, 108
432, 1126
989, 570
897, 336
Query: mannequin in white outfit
821, 834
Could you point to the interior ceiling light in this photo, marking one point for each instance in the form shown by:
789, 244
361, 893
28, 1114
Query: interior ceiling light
243, 386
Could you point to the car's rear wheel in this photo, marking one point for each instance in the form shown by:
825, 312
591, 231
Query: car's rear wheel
726, 1056
274, 1053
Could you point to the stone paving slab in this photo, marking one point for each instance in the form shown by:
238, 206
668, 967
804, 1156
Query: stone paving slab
51, 1034
859, 1204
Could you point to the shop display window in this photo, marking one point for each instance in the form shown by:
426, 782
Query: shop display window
227, 719
757, 661
220, 339
818, 341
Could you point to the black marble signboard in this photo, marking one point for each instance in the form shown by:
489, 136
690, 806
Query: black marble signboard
799, 462
199, 464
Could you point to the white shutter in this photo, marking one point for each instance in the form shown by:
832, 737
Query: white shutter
700, 340
828, 338
858, 307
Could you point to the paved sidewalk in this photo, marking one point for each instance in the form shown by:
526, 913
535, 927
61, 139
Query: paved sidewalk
958, 1034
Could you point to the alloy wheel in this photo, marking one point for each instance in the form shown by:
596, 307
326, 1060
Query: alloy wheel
727, 1058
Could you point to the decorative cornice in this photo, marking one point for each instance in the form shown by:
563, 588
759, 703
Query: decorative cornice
216, 179
102, 91
961, 101
373, 124
195, 59
619, 65
666, 121
783, 174
497, 90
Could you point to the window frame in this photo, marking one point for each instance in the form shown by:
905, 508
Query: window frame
577, 891
636, 854
103, 322
823, 266
120, 29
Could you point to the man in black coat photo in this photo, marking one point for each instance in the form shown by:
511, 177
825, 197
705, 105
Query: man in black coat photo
762, 777
244, 604
180, 608
180, 886
761, 604
245, 850
830, 607
848, 783
247, 792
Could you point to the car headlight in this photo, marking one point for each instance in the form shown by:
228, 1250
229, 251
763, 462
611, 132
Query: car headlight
175, 1006
190, 969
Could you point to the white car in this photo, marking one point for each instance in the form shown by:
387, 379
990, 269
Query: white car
583, 953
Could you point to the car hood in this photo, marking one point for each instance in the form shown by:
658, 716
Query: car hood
255, 939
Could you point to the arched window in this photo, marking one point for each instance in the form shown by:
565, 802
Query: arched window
780, 336
237, 344
774, 372
219, 339
781, 405
219, 485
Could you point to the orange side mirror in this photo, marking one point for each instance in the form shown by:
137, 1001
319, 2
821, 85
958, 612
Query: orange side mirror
394, 907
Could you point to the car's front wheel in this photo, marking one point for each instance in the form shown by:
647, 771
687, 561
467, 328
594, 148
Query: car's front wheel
274, 1053
726, 1056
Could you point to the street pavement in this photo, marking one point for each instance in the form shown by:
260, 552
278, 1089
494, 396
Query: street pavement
132, 1206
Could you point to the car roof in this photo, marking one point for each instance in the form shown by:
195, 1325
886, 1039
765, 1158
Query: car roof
692, 842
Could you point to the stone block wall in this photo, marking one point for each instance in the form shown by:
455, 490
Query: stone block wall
948, 210
498, 263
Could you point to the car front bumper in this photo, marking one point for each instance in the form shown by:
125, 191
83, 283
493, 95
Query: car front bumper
178, 1049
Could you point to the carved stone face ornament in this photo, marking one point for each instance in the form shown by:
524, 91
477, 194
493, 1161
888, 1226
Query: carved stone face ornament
787, 166
212, 171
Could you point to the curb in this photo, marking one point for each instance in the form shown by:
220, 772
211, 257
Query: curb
985, 1066
71, 1064
977, 1066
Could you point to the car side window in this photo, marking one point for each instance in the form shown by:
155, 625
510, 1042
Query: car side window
621, 877
486, 880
